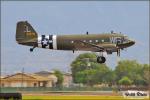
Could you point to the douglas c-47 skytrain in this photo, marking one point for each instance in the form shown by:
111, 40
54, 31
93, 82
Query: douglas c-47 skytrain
102, 43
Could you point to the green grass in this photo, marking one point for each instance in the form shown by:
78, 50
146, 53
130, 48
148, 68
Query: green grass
74, 97
43, 89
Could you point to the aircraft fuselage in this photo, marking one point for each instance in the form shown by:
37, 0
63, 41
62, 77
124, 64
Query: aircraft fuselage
105, 42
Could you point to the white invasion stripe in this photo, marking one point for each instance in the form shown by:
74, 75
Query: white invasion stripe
39, 41
54, 42
47, 37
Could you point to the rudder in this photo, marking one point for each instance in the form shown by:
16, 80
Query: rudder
25, 34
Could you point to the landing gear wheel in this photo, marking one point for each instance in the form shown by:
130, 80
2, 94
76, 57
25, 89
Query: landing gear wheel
101, 59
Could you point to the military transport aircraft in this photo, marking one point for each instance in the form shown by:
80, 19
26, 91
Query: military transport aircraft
103, 43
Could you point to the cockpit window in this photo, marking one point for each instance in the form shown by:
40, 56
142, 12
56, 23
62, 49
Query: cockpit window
126, 39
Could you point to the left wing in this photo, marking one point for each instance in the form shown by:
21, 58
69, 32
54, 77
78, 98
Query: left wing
108, 47
98, 48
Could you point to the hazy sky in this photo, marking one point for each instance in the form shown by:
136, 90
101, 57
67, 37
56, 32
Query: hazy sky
76, 17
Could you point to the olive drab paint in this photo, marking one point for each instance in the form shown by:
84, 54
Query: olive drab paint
105, 42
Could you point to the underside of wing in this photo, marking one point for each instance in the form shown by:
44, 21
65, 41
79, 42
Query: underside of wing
109, 48
88, 46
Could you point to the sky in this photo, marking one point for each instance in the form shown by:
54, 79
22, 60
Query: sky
71, 17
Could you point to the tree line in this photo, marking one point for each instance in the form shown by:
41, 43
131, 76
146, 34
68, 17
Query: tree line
87, 71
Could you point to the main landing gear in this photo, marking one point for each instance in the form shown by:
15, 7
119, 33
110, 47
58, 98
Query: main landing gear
101, 58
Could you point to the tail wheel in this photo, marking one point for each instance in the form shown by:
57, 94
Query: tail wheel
31, 49
101, 59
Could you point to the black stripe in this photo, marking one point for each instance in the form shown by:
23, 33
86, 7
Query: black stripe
50, 42
43, 37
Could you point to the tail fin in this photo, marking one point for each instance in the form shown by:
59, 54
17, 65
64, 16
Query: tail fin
25, 34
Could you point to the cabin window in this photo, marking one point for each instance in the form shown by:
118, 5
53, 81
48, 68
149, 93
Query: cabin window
96, 41
102, 40
90, 41
72, 41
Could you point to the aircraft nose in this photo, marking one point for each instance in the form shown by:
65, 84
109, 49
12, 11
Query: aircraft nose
132, 42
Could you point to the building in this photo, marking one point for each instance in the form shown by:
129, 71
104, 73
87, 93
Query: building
38, 79
26, 80
50, 74
67, 80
